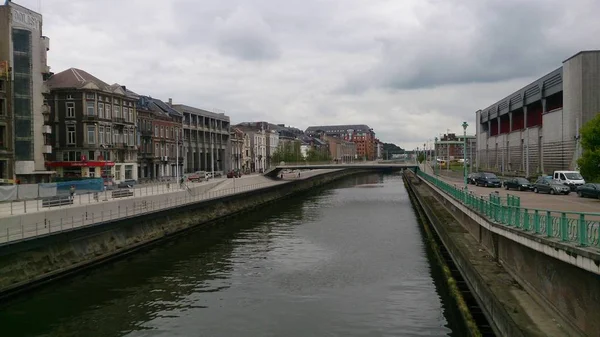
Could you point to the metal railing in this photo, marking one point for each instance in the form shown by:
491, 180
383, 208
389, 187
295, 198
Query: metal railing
581, 228
88, 217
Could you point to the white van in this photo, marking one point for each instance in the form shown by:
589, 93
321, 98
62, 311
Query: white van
569, 178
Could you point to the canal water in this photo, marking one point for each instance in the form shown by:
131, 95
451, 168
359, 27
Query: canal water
347, 260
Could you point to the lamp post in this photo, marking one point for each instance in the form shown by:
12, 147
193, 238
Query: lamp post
435, 156
465, 125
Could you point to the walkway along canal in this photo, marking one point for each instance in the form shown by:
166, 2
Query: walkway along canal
345, 260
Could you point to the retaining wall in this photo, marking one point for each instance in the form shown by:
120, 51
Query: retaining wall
482, 257
31, 263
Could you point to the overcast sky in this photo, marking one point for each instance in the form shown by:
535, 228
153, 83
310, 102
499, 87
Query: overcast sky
410, 69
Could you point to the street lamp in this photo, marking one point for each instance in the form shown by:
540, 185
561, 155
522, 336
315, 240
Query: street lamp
465, 125
435, 156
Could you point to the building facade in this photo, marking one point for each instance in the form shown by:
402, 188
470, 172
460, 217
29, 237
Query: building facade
340, 150
450, 147
23, 67
161, 135
362, 135
93, 127
205, 139
536, 129
237, 149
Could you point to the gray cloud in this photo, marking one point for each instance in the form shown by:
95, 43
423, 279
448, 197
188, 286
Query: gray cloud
245, 35
475, 42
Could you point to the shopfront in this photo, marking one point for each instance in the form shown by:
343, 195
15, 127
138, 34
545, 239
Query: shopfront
82, 169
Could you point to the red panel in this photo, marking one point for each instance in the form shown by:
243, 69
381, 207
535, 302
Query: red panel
494, 127
534, 116
504, 124
79, 163
518, 120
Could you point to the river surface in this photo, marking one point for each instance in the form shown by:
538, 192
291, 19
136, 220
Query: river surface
348, 260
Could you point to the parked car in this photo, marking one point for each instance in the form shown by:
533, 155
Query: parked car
589, 190
547, 185
128, 183
573, 179
196, 176
520, 184
487, 180
471, 178
234, 174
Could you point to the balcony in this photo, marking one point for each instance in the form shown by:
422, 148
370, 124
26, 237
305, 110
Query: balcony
46, 129
46, 149
119, 120
90, 118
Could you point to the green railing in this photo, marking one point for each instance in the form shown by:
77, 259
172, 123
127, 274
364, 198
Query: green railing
577, 227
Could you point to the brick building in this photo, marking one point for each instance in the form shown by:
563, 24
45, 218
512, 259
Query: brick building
362, 135
450, 147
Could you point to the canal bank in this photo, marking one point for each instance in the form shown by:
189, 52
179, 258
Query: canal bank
347, 259
31, 263
509, 309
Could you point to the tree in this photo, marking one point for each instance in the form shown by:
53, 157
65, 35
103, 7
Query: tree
421, 157
589, 163
288, 151
390, 149
317, 155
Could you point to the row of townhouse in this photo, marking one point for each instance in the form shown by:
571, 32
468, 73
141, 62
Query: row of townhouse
102, 130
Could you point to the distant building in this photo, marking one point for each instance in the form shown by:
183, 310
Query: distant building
362, 135
340, 150
450, 147
379, 147
257, 137
237, 148
93, 123
24, 142
160, 129
536, 129
205, 139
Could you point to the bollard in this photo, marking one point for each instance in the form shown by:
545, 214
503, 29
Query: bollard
25, 206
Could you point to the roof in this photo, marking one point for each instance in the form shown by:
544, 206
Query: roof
74, 78
338, 128
189, 109
582, 52
157, 106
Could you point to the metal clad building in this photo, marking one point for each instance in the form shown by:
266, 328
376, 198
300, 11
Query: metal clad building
535, 130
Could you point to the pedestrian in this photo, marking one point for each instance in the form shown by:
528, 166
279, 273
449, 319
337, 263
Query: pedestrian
72, 191
282, 175
298, 174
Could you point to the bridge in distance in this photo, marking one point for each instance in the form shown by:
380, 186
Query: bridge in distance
382, 165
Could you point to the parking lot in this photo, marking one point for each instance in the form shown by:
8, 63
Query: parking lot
529, 199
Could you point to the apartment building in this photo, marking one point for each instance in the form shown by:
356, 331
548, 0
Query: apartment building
205, 139
237, 148
160, 132
450, 147
257, 137
93, 127
23, 67
362, 135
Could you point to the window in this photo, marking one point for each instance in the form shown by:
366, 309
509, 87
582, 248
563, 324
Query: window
131, 142
126, 114
70, 134
162, 132
100, 110
172, 132
155, 149
107, 135
118, 172
90, 95
131, 114
91, 135
3, 136
91, 155
167, 151
107, 110
90, 108
156, 131
100, 135
2, 107
117, 110
128, 171
71, 109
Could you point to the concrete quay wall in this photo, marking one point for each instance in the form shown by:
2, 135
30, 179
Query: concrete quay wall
559, 284
31, 263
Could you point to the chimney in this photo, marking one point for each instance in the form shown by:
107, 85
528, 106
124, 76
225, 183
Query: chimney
170, 101
124, 88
